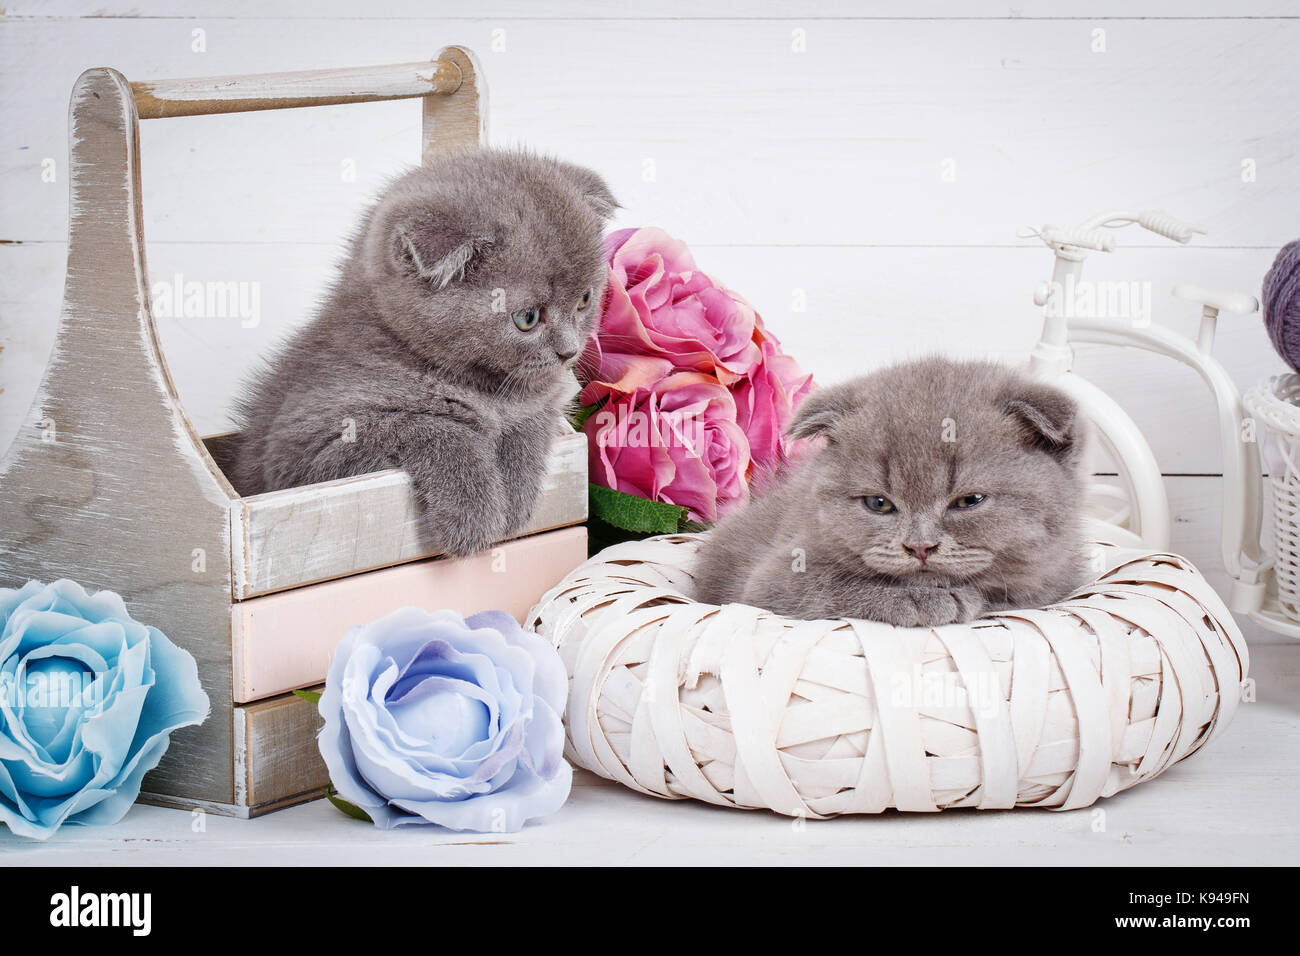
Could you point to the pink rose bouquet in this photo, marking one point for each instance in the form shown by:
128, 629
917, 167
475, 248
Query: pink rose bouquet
685, 391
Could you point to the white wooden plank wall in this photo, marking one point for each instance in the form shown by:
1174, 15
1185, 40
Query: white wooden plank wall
858, 170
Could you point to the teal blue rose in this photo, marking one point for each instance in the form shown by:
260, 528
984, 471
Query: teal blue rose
88, 700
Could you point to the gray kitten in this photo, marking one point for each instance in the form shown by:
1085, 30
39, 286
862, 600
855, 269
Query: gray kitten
445, 346
944, 490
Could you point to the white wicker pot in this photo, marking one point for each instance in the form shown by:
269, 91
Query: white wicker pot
1275, 404
743, 708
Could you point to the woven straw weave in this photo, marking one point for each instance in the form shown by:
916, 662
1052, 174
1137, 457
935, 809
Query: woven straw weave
1275, 404
743, 708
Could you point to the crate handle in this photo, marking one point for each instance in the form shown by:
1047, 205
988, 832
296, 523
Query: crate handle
455, 99
200, 96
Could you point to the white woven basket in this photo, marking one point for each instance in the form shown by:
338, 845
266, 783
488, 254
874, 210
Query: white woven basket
1273, 404
743, 708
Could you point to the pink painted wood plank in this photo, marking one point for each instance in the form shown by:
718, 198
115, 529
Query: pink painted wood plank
284, 641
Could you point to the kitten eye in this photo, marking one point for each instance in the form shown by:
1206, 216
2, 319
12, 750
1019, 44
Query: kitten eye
966, 501
879, 504
526, 319
585, 301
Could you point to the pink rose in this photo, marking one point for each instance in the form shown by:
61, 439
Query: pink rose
676, 442
674, 344
766, 401
659, 308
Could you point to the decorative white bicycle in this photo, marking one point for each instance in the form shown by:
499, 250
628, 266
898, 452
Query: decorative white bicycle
1138, 507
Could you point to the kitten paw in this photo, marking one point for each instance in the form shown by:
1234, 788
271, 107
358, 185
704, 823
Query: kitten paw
461, 535
928, 607
519, 507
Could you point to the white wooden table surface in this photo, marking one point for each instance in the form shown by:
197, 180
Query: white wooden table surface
1233, 803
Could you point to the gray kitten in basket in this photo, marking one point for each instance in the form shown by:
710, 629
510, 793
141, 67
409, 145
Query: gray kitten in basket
446, 345
944, 490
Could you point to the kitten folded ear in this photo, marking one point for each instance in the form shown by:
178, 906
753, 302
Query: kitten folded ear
593, 187
825, 408
1048, 418
436, 251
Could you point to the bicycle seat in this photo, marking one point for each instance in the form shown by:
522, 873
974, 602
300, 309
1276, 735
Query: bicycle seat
1238, 303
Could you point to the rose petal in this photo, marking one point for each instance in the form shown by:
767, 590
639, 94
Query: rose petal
525, 797
550, 679
81, 759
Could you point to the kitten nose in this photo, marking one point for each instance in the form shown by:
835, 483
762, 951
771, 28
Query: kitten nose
565, 354
921, 551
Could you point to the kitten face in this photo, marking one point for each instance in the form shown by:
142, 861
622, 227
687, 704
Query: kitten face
492, 264
955, 472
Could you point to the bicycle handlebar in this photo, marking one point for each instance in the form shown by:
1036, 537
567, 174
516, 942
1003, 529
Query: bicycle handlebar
1163, 224
1095, 233
1079, 238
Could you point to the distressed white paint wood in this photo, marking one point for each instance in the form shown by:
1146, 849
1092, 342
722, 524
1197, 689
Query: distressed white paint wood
287, 640
782, 10
201, 96
278, 758
108, 484
455, 122
843, 144
302, 535
739, 707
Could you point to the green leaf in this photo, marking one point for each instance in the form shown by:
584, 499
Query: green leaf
311, 696
631, 513
351, 809
580, 418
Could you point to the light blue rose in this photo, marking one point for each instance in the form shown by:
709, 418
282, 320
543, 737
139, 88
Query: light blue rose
88, 699
435, 718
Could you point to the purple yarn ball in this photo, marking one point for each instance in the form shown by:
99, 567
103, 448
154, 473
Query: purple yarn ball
1282, 303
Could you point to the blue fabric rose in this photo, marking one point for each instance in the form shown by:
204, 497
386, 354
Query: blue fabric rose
88, 699
435, 718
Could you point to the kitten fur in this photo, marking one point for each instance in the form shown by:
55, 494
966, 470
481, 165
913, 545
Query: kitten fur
415, 361
1017, 441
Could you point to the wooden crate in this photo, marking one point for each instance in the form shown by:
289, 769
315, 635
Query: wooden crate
109, 484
